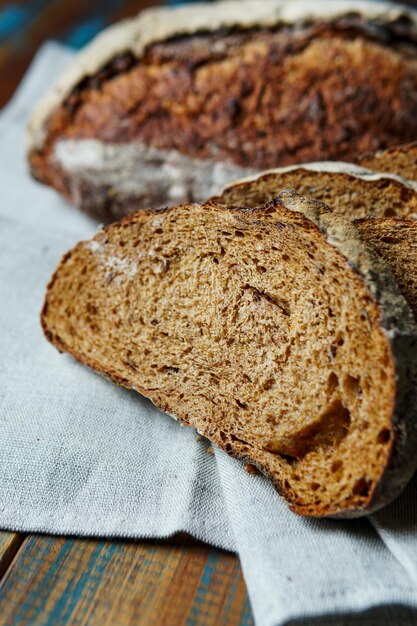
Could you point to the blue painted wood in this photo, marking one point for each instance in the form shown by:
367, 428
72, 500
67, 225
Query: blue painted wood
14, 18
81, 34
101, 583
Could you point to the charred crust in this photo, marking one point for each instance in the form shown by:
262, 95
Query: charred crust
182, 54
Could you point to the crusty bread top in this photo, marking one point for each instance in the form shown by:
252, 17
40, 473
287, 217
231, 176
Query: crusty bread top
136, 34
330, 167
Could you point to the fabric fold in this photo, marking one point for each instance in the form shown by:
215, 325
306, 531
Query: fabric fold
299, 569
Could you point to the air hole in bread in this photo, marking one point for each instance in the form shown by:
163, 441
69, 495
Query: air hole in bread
169, 369
236, 438
384, 436
327, 431
390, 239
333, 382
361, 487
352, 385
291, 460
340, 341
91, 308
268, 384
336, 466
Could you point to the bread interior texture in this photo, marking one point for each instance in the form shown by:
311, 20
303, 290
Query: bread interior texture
248, 326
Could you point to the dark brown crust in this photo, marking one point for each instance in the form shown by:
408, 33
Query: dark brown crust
243, 104
384, 488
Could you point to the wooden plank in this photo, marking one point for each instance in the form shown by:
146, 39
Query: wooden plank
71, 21
102, 583
9, 546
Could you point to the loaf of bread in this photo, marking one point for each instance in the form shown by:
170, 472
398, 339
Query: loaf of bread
348, 189
169, 106
401, 160
276, 332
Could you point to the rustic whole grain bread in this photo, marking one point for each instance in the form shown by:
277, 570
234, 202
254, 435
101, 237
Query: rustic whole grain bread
275, 331
396, 241
401, 160
348, 189
170, 106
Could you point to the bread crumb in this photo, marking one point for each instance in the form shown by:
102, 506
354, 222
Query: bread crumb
210, 450
251, 469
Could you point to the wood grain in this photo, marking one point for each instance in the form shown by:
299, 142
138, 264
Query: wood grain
102, 583
9, 546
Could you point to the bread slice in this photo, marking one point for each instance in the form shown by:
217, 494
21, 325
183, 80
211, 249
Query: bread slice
276, 332
395, 240
348, 189
401, 160
356, 193
169, 106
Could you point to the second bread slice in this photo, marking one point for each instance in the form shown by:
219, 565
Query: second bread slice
348, 189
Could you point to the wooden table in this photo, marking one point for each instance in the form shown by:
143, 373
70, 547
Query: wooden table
58, 581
